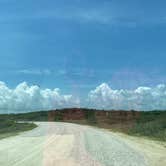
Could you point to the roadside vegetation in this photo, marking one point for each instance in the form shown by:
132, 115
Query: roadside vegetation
90, 117
151, 124
10, 127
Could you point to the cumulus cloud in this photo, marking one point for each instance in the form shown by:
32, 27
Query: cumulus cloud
27, 98
142, 98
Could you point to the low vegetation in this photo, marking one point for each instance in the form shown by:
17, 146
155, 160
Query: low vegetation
151, 124
90, 117
10, 127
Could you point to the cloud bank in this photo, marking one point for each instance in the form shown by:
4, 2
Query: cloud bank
142, 98
25, 98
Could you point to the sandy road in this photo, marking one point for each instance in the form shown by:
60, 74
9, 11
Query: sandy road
65, 144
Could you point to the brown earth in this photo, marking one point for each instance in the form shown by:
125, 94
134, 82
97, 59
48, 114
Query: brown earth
101, 116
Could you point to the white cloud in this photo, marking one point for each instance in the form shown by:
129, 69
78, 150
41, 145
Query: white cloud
27, 98
24, 98
34, 72
142, 98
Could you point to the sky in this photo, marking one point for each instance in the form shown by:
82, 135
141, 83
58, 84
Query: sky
107, 54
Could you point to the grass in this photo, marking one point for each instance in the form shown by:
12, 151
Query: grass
150, 124
11, 128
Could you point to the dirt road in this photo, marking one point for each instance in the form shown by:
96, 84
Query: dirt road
65, 144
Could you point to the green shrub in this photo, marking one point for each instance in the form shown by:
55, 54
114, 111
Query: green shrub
90, 116
10, 127
58, 117
151, 124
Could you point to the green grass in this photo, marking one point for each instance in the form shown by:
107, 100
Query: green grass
11, 128
151, 124
90, 117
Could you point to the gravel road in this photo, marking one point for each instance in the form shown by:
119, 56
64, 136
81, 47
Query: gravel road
66, 144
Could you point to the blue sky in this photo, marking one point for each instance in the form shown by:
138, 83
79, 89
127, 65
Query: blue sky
77, 45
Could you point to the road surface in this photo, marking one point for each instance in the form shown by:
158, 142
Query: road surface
66, 144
